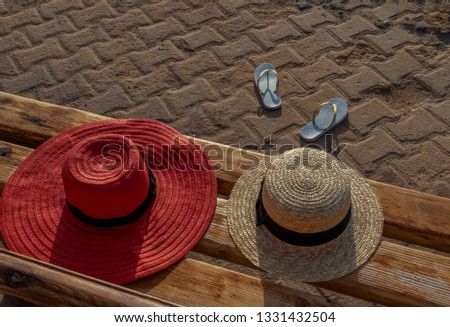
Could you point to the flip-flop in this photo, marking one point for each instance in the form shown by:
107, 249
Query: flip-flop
325, 117
266, 81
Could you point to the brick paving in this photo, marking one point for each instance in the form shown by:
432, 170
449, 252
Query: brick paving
190, 64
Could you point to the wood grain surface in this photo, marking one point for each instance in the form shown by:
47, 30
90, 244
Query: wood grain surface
395, 275
410, 216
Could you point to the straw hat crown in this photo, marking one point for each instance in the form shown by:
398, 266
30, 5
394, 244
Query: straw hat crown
308, 193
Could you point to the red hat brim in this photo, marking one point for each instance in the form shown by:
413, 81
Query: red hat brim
37, 222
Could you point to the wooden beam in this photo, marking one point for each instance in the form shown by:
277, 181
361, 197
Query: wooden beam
46, 284
395, 275
11, 155
30, 122
410, 216
190, 282
421, 278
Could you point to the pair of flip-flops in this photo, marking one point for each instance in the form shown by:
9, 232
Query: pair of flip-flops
325, 117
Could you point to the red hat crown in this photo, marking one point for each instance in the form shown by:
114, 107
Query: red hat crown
105, 177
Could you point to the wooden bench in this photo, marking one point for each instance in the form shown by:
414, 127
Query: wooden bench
396, 274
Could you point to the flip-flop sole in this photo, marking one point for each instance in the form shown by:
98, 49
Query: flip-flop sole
266, 86
311, 132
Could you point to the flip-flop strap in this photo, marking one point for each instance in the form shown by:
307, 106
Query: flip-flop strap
266, 71
319, 108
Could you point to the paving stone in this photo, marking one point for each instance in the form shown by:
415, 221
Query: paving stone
15, 40
50, 9
279, 120
363, 80
313, 18
401, 65
35, 77
60, 24
100, 10
442, 111
3, 10
390, 10
162, 9
120, 25
238, 135
288, 84
7, 66
420, 124
353, 27
142, 88
63, 69
307, 104
28, 57
147, 60
230, 52
112, 74
233, 6
233, 27
86, 36
321, 69
117, 47
154, 108
113, 99
196, 73
199, 38
315, 44
201, 15
72, 89
198, 64
280, 56
160, 31
427, 163
440, 186
225, 113
365, 116
26, 17
198, 91
228, 81
438, 80
443, 142
200, 127
376, 147
352, 5
392, 39
274, 33
389, 175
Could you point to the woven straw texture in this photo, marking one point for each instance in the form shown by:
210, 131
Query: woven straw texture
290, 182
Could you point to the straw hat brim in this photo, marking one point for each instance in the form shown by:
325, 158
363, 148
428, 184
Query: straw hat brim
324, 262
37, 222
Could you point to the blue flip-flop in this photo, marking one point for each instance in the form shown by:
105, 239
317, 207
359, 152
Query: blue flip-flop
266, 81
325, 117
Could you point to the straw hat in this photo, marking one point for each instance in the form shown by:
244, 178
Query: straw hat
117, 199
305, 215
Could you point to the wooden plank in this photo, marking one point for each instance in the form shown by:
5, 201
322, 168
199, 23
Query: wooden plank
410, 216
45, 284
11, 155
395, 275
367, 284
415, 217
194, 283
38, 121
401, 276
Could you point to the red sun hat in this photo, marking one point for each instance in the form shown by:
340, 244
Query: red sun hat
117, 199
